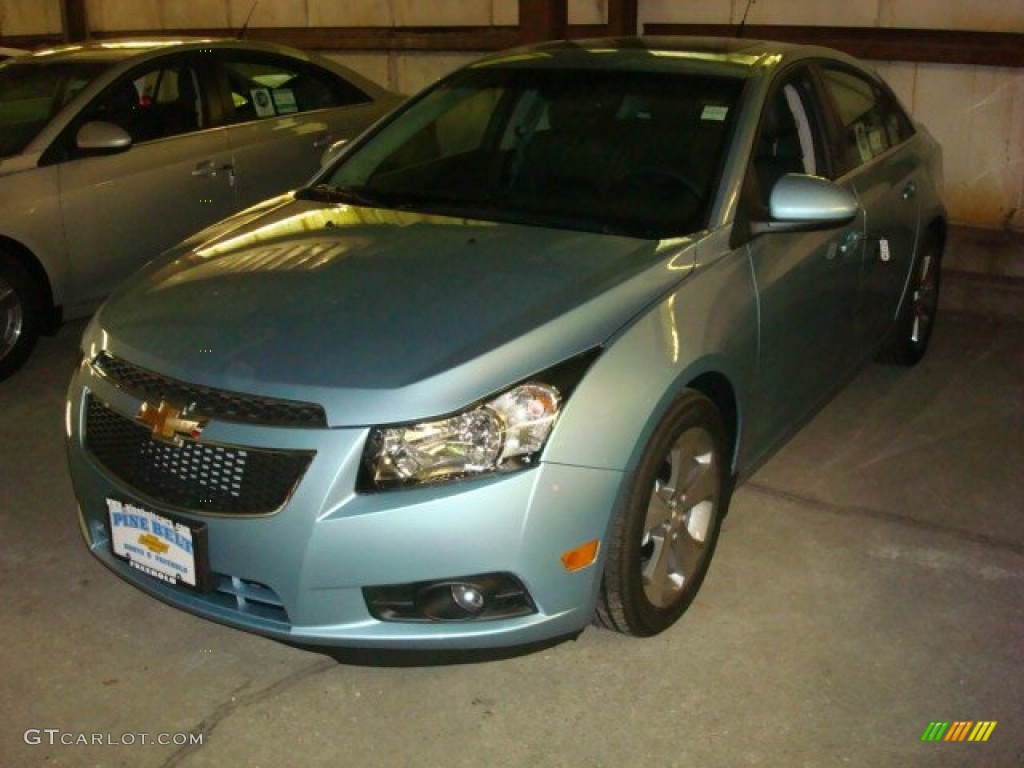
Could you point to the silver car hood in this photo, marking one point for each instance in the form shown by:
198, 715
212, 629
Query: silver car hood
380, 316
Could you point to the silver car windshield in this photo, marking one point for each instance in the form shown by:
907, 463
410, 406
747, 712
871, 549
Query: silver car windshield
624, 152
31, 93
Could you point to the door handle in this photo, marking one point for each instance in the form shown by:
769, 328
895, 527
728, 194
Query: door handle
323, 140
211, 168
850, 240
909, 191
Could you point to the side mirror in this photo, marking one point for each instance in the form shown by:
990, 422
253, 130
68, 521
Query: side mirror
331, 153
99, 136
800, 202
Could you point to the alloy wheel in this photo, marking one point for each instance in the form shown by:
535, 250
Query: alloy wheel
12, 318
679, 517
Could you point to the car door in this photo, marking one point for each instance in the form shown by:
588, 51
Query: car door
283, 114
870, 128
808, 282
122, 208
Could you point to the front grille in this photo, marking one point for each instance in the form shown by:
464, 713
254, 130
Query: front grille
201, 477
207, 401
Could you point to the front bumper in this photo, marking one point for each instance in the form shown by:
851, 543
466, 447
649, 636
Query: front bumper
298, 574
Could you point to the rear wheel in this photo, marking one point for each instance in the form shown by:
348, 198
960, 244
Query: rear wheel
916, 319
19, 316
664, 536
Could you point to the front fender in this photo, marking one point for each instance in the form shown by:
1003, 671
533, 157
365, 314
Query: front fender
30, 217
706, 326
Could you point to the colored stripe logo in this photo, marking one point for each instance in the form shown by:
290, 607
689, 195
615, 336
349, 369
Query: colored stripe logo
959, 730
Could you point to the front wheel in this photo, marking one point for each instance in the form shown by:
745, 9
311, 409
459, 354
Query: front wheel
664, 535
19, 316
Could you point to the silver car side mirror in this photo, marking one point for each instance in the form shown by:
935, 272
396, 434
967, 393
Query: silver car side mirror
103, 137
800, 202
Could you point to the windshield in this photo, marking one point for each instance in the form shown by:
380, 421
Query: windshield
32, 92
633, 153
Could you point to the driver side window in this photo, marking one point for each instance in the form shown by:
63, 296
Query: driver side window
788, 139
154, 103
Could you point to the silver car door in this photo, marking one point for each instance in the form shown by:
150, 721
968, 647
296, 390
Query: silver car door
286, 113
122, 208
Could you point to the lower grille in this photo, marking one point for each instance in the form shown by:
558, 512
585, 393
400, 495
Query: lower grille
200, 477
249, 597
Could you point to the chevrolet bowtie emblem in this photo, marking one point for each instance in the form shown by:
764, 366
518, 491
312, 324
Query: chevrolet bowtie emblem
167, 422
153, 544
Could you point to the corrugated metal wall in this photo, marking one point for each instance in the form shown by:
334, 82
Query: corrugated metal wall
976, 112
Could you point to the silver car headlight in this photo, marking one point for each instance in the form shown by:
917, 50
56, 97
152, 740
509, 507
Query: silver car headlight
502, 433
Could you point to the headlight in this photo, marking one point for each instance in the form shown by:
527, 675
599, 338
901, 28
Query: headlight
500, 434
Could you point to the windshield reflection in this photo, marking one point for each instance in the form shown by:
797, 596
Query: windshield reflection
622, 152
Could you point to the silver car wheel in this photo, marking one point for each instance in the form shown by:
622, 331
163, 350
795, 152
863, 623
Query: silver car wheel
12, 317
679, 517
926, 296
19, 315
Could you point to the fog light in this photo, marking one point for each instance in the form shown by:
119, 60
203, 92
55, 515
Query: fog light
481, 597
451, 601
468, 598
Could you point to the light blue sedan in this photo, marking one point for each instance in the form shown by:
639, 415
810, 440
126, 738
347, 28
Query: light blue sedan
494, 375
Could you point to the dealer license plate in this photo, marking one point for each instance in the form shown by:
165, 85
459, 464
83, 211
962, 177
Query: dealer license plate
171, 550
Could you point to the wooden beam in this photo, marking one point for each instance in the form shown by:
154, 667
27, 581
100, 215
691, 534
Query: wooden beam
541, 20
1002, 49
74, 19
997, 49
622, 18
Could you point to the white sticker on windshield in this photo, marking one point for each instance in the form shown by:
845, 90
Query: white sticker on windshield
714, 112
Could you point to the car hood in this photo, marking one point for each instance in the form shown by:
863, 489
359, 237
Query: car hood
333, 304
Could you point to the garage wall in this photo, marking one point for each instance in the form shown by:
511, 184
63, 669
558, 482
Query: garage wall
976, 112
29, 17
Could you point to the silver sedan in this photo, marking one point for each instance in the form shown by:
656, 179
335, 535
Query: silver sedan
112, 151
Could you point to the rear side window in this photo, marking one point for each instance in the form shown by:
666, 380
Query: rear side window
265, 86
870, 119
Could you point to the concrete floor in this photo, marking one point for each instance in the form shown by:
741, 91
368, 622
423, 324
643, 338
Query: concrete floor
868, 582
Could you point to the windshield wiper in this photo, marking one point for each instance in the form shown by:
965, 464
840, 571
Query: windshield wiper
325, 193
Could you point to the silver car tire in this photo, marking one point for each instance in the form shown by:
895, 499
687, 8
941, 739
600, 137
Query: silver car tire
19, 317
664, 535
913, 329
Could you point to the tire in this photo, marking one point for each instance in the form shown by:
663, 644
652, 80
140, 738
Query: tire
913, 329
19, 316
664, 535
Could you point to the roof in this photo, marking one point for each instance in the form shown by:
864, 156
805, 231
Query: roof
120, 49
739, 57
